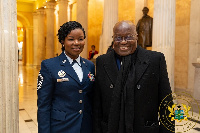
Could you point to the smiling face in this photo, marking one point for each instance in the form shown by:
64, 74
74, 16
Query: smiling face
127, 32
74, 43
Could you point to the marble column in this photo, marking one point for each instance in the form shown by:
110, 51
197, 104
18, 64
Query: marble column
139, 5
50, 8
35, 38
70, 10
63, 8
194, 41
29, 45
109, 20
196, 93
62, 17
41, 36
24, 52
56, 24
82, 18
164, 33
9, 102
146, 3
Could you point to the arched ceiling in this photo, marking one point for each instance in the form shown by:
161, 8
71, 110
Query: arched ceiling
40, 3
32, 1
19, 24
27, 1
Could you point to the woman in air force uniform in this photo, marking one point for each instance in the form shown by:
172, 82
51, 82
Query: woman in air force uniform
65, 86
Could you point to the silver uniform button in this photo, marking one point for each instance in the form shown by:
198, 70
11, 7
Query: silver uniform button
80, 91
80, 111
80, 101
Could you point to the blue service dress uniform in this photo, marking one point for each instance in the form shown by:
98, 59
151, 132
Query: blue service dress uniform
64, 103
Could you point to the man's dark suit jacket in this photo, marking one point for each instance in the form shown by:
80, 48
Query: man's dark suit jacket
151, 86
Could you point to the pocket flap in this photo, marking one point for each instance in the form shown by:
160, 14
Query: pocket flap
58, 115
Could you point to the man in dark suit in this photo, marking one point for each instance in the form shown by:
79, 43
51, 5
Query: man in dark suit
131, 82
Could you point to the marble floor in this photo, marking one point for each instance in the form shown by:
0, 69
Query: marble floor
28, 104
28, 99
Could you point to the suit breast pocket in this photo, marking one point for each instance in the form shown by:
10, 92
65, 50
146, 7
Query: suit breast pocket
150, 78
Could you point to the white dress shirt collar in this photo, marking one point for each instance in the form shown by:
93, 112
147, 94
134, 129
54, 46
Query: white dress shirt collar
71, 60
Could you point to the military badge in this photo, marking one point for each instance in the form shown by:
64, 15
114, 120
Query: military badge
62, 80
61, 73
63, 61
91, 76
39, 81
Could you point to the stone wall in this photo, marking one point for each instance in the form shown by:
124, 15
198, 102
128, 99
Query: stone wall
126, 10
182, 43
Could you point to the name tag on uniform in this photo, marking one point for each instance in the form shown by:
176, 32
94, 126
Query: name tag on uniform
62, 80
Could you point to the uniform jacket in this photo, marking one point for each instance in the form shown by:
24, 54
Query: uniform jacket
151, 86
64, 103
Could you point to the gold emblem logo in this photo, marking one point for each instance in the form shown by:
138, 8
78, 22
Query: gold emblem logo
177, 114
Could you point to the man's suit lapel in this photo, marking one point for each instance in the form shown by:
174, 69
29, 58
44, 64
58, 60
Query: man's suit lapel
67, 67
142, 63
110, 66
